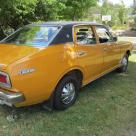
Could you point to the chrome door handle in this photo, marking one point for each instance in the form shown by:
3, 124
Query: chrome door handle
81, 53
105, 49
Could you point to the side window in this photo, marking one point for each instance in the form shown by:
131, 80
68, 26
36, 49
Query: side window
103, 35
85, 35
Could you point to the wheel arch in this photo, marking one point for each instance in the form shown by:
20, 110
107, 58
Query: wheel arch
74, 70
128, 52
77, 72
49, 104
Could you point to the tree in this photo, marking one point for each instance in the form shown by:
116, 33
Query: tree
76, 9
118, 12
2, 34
48, 10
134, 12
121, 12
105, 7
17, 13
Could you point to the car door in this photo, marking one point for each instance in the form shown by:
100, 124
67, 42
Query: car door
89, 53
111, 51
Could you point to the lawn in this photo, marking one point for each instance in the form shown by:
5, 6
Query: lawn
106, 107
129, 39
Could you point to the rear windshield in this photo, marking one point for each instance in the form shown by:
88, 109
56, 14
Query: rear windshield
32, 36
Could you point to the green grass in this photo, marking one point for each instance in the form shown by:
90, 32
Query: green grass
106, 107
120, 27
128, 39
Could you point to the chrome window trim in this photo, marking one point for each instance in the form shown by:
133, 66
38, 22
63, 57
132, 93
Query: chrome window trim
73, 28
110, 35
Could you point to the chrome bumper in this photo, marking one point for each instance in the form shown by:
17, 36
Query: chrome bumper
10, 98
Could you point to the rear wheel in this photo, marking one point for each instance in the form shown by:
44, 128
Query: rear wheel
66, 92
124, 64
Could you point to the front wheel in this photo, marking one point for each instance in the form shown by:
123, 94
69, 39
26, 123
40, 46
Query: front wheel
66, 93
124, 64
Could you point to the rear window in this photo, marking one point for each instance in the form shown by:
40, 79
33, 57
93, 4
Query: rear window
33, 36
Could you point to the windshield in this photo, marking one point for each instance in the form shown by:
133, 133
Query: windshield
32, 36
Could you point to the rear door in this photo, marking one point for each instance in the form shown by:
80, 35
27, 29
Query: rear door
111, 50
89, 53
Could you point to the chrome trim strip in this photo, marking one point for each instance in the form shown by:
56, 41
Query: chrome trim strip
102, 74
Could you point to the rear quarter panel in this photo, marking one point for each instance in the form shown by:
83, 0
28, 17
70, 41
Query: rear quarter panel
50, 66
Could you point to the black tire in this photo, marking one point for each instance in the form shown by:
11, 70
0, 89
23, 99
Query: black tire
124, 64
58, 100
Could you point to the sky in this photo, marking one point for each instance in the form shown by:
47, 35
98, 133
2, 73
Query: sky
126, 2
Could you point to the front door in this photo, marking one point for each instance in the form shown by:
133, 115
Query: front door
111, 51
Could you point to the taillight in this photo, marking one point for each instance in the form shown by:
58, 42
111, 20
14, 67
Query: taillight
4, 80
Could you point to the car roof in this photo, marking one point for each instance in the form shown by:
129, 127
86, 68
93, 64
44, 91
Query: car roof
67, 23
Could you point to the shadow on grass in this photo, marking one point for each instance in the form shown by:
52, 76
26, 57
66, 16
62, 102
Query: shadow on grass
92, 88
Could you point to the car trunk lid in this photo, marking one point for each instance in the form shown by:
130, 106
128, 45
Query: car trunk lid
11, 53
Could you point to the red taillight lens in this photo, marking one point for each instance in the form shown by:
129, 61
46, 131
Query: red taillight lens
3, 79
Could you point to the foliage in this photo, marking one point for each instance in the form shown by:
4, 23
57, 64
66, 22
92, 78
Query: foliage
118, 12
16, 13
120, 27
134, 13
105, 7
47, 10
121, 13
77, 9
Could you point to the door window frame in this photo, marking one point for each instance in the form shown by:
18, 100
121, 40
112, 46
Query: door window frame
75, 36
101, 26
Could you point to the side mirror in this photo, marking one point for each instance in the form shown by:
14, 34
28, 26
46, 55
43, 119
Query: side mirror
115, 39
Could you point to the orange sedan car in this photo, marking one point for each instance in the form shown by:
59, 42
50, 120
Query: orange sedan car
53, 60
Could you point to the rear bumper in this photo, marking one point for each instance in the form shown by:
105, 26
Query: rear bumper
10, 98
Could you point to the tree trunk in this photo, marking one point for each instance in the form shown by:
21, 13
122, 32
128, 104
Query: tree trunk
2, 34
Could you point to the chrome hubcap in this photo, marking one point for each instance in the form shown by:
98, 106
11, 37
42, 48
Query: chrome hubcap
124, 62
68, 93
